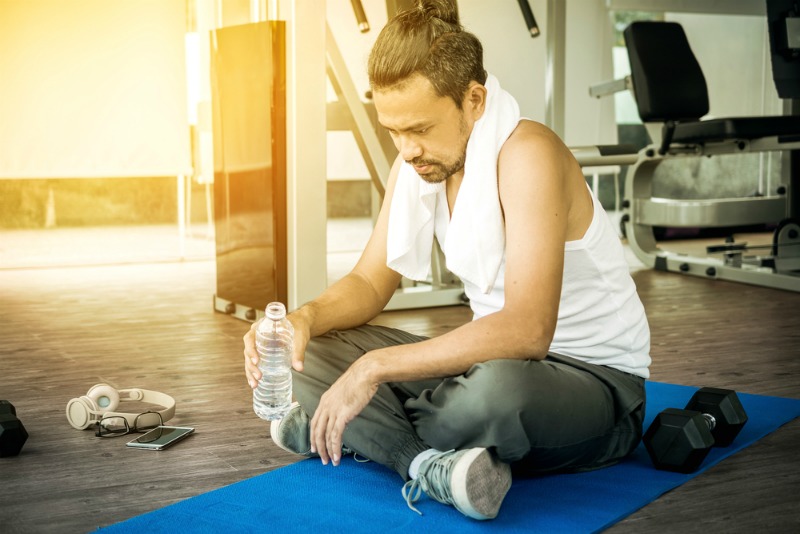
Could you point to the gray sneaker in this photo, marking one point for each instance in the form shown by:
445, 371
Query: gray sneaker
472, 480
292, 433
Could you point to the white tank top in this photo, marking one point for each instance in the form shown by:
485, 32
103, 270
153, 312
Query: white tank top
600, 317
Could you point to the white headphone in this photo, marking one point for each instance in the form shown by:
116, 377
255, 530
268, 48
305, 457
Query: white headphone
102, 399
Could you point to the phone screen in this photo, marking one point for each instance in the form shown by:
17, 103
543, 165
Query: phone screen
160, 437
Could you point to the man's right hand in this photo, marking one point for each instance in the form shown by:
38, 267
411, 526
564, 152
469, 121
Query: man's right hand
301, 337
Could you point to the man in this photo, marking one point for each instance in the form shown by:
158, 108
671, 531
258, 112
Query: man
549, 376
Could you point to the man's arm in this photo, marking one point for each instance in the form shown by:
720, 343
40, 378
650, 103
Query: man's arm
363, 293
538, 188
352, 301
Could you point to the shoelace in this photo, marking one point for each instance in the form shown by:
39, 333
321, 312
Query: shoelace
357, 457
433, 479
347, 451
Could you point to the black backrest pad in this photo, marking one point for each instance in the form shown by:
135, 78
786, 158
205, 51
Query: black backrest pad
667, 80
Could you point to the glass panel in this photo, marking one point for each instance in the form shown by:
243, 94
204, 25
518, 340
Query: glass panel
249, 109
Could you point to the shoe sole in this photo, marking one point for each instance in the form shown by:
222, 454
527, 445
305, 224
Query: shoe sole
486, 493
274, 433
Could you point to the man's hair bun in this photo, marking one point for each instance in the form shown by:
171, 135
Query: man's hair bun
444, 10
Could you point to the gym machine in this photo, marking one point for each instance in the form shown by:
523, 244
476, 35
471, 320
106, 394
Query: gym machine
669, 88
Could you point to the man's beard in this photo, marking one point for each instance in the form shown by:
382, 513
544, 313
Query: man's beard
439, 171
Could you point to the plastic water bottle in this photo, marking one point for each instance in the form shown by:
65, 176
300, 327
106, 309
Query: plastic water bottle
275, 343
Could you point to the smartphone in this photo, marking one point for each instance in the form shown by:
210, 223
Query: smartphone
160, 437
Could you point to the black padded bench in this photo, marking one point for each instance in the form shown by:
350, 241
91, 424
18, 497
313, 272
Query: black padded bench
669, 87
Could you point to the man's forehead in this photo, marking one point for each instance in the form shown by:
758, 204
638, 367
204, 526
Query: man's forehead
410, 104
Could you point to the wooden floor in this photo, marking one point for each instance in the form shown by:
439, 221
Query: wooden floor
63, 330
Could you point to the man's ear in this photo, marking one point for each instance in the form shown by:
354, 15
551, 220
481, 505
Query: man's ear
475, 100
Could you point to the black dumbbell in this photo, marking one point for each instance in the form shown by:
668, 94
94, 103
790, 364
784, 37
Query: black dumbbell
12, 433
679, 440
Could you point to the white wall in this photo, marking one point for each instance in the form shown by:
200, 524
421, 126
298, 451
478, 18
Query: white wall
510, 53
590, 35
733, 51
519, 61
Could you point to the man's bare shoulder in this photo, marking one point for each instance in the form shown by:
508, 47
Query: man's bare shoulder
533, 140
529, 127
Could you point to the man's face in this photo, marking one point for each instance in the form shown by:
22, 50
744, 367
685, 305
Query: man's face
429, 131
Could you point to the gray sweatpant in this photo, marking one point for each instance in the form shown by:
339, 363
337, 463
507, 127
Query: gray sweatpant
559, 414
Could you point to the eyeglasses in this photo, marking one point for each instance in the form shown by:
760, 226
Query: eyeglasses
115, 425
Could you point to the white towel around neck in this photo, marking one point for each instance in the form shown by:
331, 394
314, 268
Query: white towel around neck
475, 241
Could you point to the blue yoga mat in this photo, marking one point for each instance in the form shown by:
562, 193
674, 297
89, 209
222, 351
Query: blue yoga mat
365, 497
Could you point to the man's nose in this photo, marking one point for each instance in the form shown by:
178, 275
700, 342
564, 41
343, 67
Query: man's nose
408, 148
